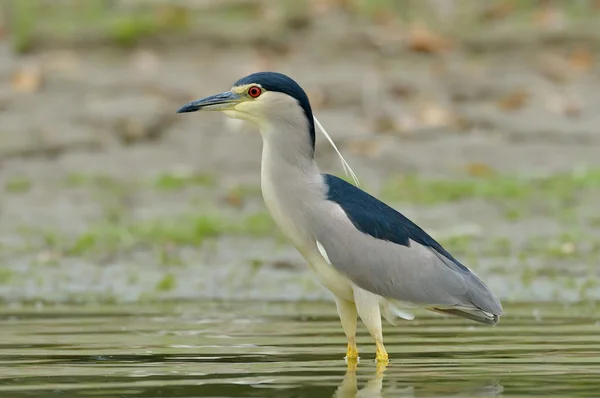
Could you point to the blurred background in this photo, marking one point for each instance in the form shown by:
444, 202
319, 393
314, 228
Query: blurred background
477, 120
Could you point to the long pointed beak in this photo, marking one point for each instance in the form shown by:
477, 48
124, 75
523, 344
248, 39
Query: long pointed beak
218, 102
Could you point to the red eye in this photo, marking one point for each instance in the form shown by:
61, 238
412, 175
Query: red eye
254, 91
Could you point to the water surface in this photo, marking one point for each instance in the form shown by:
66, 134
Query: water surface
291, 350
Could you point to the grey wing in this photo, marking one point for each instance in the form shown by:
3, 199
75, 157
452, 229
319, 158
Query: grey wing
414, 273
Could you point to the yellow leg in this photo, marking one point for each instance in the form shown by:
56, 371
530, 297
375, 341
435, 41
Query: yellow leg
352, 350
367, 306
381, 366
382, 355
348, 316
352, 365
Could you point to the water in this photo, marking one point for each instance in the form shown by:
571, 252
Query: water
291, 350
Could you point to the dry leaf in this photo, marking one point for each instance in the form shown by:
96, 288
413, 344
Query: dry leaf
404, 123
498, 10
581, 59
555, 67
564, 105
462, 123
549, 17
233, 198
383, 17
27, 79
479, 170
399, 90
136, 129
422, 39
384, 123
284, 264
173, 16
514, 101
432, 115
319, 7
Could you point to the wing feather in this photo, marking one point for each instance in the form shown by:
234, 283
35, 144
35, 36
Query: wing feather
385, 253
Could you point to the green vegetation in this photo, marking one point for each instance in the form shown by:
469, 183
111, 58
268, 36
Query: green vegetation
5, 275
575, 247
24, 17
124, 26
173, 181
127, 23
165, 181
167, 283
559, 187
102, 182
127, 31
259, 224
78, 180
184, 230
18, 185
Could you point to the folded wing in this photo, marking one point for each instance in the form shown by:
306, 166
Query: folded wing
383, 252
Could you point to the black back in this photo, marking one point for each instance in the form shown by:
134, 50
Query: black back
373, 217
273, 81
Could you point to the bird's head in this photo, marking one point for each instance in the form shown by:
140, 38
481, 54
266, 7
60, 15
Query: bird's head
278, 105
265, 99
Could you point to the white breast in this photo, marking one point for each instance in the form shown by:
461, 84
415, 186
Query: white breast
281, 215
312, 251
289, 193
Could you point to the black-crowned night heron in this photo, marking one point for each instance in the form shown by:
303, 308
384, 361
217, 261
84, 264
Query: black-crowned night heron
371, 257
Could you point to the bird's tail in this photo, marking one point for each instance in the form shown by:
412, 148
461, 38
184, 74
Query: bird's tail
394, 309
474, 314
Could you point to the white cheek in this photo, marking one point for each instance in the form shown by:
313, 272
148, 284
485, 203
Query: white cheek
252, 108
232, 114
235, 114
249, 111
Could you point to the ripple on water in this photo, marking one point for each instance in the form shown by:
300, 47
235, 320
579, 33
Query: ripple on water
285, 350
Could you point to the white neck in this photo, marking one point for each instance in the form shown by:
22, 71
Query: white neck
295, 194
290, 180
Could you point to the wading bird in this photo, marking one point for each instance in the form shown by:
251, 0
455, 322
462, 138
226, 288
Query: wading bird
372, 258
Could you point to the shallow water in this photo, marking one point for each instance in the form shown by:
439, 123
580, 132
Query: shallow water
291, 350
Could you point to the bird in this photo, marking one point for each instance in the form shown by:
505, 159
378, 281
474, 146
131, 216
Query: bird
374, 260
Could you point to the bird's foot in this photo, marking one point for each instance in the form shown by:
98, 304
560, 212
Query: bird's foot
352, 365
380, 367
381, 356
352, 352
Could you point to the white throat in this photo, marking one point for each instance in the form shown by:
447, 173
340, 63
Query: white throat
290, 183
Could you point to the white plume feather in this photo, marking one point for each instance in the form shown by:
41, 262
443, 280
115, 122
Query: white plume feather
345, 165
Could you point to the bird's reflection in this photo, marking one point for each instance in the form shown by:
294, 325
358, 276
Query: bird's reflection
348, 388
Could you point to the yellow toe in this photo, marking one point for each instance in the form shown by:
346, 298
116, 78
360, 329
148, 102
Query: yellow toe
352, 352
381, 367
382, 355
352, 365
